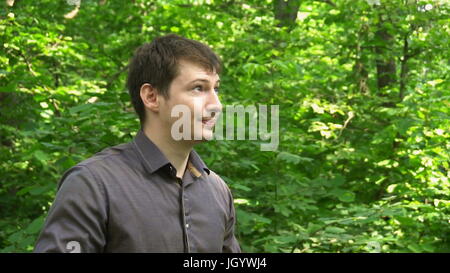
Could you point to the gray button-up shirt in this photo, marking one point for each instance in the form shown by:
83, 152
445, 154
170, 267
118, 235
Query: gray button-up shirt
127, 198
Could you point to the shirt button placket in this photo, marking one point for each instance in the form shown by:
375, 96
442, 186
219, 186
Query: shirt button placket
186, 224
187, 216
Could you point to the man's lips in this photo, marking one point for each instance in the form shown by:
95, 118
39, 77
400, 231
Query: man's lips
209, 122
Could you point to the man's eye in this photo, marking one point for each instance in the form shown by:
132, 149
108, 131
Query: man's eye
201, 89
198, 88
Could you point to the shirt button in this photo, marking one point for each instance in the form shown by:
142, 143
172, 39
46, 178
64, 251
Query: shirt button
187, 225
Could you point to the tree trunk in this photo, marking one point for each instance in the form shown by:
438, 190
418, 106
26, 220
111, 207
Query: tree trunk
386, 68
286, 12
362, 74
404, 69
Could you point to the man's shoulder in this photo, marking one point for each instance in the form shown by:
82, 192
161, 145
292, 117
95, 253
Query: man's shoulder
107, 161
216, 177
108, 155
219, 182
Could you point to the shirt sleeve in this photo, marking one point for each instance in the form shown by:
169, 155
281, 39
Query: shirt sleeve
230, 243
77, 219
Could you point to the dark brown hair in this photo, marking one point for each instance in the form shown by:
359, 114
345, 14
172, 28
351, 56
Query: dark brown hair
156, 63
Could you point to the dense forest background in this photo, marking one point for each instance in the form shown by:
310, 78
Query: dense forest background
362, 87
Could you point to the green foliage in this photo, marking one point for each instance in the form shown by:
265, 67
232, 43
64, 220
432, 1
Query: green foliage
360, 167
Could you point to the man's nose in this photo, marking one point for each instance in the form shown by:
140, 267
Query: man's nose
213, 104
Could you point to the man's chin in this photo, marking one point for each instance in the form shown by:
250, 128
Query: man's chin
195, 142
206, 135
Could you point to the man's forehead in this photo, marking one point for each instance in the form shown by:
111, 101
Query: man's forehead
189, 71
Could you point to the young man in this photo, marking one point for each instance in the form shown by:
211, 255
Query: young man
153, 194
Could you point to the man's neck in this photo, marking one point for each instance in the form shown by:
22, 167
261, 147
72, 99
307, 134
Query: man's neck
177, 152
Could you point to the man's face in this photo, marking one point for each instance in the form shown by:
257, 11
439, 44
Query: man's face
195, 89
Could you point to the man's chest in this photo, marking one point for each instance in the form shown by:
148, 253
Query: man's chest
160, 216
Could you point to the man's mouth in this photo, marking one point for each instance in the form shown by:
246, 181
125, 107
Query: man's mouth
209, 122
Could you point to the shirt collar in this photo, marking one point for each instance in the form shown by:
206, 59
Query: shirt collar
154, 159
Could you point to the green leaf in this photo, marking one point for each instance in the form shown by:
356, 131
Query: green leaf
312, 228
41, 156
415, 248
347, 196
39, 189
335, 230
84, 108
292, 158
241, 187
35, 226
16, 237
344, 195
27, 241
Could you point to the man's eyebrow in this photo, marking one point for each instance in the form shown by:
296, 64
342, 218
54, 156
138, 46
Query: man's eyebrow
202, 80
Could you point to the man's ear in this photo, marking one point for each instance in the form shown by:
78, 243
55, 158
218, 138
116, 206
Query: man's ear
149, 96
